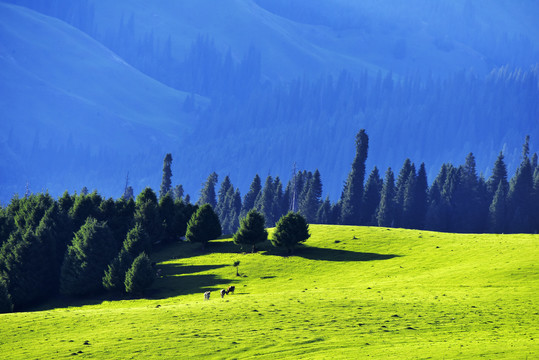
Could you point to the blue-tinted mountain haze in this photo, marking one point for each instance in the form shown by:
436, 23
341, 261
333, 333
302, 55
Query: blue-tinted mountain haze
92, 89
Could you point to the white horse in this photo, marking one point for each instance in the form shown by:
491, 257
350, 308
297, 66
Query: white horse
207, 295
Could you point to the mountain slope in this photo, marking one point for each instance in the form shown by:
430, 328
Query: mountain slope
59, 87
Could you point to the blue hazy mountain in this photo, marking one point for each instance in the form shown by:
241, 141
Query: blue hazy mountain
92, 89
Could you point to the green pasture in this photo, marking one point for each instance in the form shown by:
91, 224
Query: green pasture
349, 293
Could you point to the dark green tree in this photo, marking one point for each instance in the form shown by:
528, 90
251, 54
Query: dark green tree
521, 207
498, 211
178, 192
499, 174
250, 198
252, 230
137, 241
203, 226
323, 215
353, 189
386, 210
224, 202
86, 259
6, 305
371, 198
400, 189
140, 275
291, 230
147, 215
265, 202
166, 182
207, 194
114, 278
167, 217
311, 200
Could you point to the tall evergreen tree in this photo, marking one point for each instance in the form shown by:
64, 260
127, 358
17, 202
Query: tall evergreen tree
265, 202
400, 189
207, 194
323, 215
166, 182
114, 278
252, 230
353, 189
86, 259
140, 275
167, 217
147, 215
310, 202
386, 210
250, 198
498, 211
520, 197
499, 173
203, 226
223, 203
178, 192
371, 198
6, 305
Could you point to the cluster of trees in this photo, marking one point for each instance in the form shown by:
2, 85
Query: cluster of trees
83, 244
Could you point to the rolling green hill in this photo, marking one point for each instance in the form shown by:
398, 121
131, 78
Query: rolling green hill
351, 292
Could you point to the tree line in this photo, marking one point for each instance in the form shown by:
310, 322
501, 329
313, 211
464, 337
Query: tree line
82, 244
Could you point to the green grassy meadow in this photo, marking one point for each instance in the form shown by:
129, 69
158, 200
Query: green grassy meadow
350, 293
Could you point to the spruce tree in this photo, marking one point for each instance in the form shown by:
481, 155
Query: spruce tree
310, 202
252, 230
203, 226
323, 215
137, 241
520, 199
86, 259
147, 215
140, 275
353, 189
291, 230
167, 216
222, 208
207, 194
498, 211
166, 182
499, 173
250, 198
400, 189
371, 198
178, 192
114, 278
386, 210
265, 202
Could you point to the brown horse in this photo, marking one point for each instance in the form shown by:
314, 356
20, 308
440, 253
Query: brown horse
230, 289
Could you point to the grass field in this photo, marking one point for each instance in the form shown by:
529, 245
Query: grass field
350, 293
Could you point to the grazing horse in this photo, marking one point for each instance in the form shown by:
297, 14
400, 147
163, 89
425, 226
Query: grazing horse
223, 293
207, 295
230, 289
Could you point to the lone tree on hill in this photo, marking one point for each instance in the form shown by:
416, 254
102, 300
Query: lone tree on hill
290, 230
203, 226
252, 230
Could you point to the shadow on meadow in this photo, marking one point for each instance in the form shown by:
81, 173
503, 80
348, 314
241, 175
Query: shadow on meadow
314, 253
177, 279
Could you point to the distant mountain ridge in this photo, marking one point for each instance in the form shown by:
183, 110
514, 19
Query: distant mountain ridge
247, 87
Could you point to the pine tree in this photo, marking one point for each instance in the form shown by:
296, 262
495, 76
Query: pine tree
310, 202
250, 197
140, 275
291, 230
371, 198
223, 203
114, 278
86, 259
499, 173
203, 226
252, 230
386, 210
147, 215
166, 182
353, 189
207, 194
421, 196
136, 241
400, 189
520, 198
265, 202
167, 216
498, 211
178, 192
323, 215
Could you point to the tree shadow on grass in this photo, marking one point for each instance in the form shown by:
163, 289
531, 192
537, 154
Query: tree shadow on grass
314, 253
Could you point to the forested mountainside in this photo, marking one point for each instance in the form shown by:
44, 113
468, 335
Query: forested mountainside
92, 90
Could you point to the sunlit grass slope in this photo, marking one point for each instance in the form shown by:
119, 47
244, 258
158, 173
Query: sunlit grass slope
352, 292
